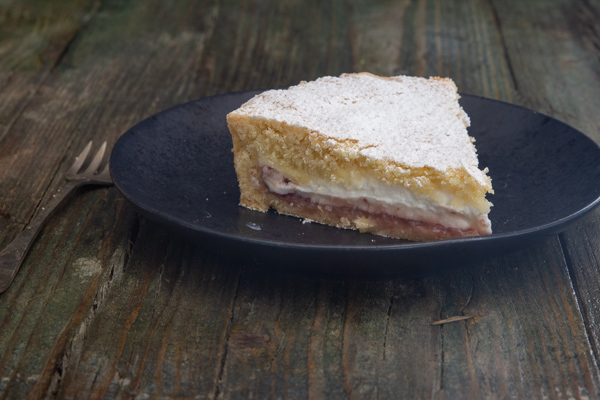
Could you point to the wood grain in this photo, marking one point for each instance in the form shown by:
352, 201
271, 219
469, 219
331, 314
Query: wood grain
33, 40
553, 51
110, 305
581, 244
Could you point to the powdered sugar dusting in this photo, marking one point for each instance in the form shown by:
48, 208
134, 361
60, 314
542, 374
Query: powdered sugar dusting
414, 121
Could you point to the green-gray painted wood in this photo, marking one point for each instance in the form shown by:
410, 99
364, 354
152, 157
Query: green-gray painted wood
109, 305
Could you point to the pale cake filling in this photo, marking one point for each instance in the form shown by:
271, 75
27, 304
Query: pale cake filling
375, 198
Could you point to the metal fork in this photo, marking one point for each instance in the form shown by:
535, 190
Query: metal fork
13, 255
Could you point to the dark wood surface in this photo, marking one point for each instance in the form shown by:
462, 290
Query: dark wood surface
111, 305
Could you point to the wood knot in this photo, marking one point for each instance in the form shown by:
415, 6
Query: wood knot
5, 215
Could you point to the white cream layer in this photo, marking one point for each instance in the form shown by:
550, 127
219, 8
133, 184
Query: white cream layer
374, 197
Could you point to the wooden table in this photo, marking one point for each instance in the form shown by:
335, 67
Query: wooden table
111, 305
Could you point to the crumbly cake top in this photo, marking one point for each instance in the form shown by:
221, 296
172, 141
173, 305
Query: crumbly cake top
413, 121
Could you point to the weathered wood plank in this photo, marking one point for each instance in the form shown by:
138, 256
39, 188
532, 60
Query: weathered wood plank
33, 38
459, 364
554, 54
390, 347
56, 122
260, 44
566, 87
58, 287
61, 117
527, 339
160, 318
581, 244
459, 40
265, 339
161, 330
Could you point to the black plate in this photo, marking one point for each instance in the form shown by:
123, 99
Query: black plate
177, 168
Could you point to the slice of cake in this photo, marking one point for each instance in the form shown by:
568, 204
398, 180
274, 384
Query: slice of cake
389, 156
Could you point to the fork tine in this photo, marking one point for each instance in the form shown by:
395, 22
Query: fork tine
105, 172
93, 167
80, 159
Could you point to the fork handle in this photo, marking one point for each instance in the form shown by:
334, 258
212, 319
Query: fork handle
13, 255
